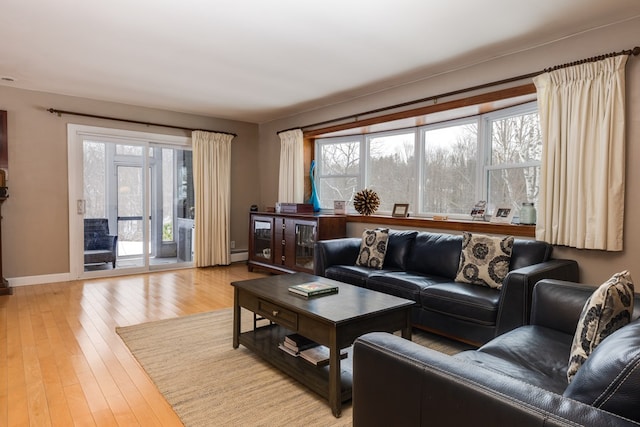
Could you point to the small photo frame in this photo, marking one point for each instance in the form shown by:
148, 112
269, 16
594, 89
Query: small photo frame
339, 207
503, 214
478, 211
400, 210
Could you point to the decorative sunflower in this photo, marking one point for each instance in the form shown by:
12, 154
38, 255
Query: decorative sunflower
366, 201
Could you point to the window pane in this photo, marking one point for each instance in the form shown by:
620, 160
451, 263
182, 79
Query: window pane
130, 210
516, 139
128, 150
129, 191
94, 179
450, 169
339, 159
168, 198
392, 169
512, 186
338, 171
339, 188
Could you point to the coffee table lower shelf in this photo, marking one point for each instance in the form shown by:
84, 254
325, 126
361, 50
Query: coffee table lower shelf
264, 342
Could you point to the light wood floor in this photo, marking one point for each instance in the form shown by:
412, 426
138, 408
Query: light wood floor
61, 362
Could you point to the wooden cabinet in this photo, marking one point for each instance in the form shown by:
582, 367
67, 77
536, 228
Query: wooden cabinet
284, 243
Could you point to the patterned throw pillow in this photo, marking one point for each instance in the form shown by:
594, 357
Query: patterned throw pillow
608, 309
484, 259
373, 248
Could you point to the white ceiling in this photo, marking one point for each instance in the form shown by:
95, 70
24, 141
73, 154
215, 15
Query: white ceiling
259, 60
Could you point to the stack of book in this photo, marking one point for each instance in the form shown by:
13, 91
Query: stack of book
295, 343
314, 353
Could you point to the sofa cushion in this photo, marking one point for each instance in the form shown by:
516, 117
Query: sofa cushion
607, 309
610, 378
435, 254
484, 259
373, 248
473, 303
352, 274
533, 354
402, 284
398, 248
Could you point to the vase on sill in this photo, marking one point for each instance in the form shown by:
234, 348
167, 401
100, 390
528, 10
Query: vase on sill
313, 200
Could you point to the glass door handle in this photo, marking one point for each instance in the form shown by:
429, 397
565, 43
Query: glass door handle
81, 205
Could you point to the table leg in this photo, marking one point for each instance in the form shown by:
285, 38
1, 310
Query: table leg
406, 331
236, 319
335, 382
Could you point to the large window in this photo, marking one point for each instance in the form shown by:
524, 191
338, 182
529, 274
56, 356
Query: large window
442, 168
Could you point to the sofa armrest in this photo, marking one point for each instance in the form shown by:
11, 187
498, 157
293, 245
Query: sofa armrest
517, 290
557, 304
398, 382
335, 252
102, 242
113, 241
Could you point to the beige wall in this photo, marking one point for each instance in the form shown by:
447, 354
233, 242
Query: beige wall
35, 217
595, 266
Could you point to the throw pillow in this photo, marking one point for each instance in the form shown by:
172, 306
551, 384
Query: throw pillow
484, 260
609, 308
373, 248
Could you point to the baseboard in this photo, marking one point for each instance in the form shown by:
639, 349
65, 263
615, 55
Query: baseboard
239, 256
39, 280
65, 277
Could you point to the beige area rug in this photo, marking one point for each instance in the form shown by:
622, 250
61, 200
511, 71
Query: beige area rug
208, 383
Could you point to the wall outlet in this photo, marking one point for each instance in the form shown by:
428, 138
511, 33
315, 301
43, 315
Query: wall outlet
233, 244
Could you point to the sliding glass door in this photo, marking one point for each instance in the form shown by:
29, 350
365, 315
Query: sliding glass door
133, 204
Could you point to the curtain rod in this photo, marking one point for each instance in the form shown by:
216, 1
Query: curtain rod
635, 51
287, 130
73, 113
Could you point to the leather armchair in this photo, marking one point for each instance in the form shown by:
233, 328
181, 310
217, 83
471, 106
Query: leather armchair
99, 245
518, 378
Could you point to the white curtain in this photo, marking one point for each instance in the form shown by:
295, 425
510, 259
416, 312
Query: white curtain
582, 116
291, 182
212, 187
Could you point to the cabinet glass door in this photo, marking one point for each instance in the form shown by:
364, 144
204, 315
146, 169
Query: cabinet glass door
305, 239
262, 238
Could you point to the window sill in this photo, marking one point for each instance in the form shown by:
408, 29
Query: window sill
453, 225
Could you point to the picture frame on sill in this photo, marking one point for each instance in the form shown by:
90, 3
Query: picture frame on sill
400, 210
478, 211
339, 207
503, 214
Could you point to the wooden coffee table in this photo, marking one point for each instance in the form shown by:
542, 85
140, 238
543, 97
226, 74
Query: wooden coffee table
334, 320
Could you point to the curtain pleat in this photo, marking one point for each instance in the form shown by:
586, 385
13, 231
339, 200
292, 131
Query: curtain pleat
582, 116
212, 188
291, 180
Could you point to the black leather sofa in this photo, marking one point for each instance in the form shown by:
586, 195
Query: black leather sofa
516, 379
422, 266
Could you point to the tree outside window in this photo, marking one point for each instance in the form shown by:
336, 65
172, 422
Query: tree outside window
392, 168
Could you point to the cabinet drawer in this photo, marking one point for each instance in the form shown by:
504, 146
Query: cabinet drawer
281, 316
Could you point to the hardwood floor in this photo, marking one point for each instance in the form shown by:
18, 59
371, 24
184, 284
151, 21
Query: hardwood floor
61, 362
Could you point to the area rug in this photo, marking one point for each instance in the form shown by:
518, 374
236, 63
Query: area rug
207, 382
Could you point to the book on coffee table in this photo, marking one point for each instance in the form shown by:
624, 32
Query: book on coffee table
313, 288
319, 355
297, 342
287, 350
